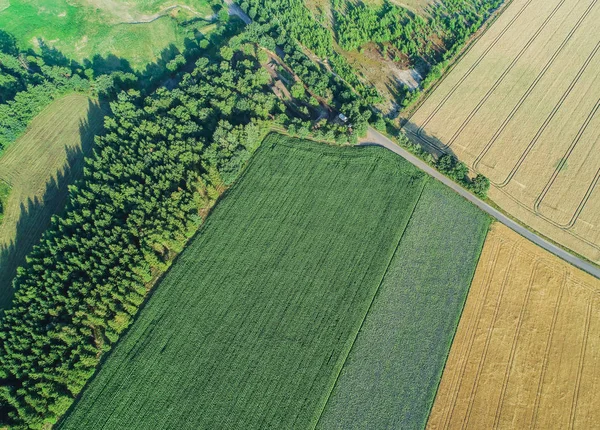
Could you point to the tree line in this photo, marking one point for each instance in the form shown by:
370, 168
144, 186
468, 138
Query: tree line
27, 85
30, 80
163, 161
449, 166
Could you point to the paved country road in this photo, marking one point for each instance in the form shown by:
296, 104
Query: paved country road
375, 138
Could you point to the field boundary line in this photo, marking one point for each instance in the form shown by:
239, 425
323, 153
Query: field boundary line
550, 245
558, 169
151, 286
548, 120
529, 228
488, 339
464, 305
473, 66
538, 394
515, 341
524, 207
457, 381
442, 148
412, 109
375, 294
531, 211
588, 318
60, 98
510, 67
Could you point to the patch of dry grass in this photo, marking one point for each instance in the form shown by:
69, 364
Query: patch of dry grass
527, 348
523, 108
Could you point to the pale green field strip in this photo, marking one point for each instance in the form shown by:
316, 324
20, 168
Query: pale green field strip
392, 373
39, 166
252, 324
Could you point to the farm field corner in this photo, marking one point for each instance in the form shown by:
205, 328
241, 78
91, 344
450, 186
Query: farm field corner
394, 368
38, 167
522, 107
527, 349
252, 324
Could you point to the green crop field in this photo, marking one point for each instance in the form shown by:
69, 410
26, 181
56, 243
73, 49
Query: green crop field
254, 321
393, 370
135, 31
39, 166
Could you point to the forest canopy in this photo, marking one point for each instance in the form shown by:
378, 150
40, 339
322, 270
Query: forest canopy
166, 156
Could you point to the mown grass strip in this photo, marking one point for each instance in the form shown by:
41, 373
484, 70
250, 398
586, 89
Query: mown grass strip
251, 326
39, 167
393, 370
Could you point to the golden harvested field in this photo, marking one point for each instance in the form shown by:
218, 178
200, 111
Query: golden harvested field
527, 350
39, 166
523, 108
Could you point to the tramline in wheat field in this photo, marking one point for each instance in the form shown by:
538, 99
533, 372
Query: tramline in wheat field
522, 107
526, 351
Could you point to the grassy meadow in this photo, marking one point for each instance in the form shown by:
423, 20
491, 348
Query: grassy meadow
82, 29
252, 324
38, 167
393, 370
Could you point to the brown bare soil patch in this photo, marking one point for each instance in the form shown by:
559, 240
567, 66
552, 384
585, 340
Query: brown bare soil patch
527, 348
388, 72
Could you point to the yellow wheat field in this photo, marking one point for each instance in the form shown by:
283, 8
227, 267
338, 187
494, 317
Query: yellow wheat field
523, 108
527, 351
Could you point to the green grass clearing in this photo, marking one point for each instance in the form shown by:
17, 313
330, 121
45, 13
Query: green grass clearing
252, 324
394, 368
39, 166
81, 29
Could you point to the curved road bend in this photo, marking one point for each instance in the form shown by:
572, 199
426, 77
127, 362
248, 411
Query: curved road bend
375, 138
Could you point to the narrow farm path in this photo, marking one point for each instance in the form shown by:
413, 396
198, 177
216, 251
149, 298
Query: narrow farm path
375, 138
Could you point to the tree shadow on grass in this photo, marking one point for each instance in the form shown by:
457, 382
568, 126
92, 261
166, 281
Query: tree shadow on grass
36, 213
427, 142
